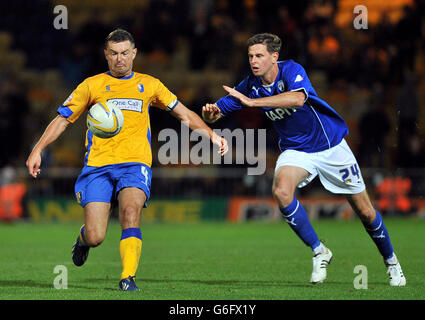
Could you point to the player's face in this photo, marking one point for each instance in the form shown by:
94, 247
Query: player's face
260, 60
120, 56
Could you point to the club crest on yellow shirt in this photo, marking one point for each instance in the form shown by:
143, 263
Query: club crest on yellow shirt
108, 89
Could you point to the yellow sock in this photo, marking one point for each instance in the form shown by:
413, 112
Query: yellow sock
130, 251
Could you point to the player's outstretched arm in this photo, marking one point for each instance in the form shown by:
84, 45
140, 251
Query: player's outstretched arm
195, 123
52, 132
290, 99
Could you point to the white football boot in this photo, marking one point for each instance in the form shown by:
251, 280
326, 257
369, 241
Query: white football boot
320, 262
397, 278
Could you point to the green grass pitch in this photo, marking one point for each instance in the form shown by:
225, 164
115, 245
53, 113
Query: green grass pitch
210, 261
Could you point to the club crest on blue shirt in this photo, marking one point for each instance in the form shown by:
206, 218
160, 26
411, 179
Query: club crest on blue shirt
140, 87
281, 86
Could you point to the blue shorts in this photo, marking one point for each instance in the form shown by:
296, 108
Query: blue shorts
102, 184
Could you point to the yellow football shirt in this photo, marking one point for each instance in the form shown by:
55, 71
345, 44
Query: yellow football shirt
134, 95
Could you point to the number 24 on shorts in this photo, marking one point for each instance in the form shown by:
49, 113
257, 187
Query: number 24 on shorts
346, 172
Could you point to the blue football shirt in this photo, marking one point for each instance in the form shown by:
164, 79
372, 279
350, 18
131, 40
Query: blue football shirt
314, 127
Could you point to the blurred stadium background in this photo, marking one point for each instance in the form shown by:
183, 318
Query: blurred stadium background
374, 78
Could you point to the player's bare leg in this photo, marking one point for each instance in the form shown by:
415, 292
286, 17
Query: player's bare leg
362, 206
375, 227
96, 222
93, 232
131, 202
285, 181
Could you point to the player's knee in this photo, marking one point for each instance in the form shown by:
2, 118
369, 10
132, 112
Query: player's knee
130, 215
363, 207
282, 195
94, 238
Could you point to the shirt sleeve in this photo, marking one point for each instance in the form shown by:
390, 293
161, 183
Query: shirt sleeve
164, 98
76, 103
229, 104
296, 79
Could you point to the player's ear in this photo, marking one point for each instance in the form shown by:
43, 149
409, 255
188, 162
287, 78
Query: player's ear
275, 56
134, 53
105, 49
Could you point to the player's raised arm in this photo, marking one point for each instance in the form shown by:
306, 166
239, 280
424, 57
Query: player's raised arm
52, 132
195, 123
290, 99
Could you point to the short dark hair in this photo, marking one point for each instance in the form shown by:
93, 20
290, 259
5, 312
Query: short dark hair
271, 41
119, 35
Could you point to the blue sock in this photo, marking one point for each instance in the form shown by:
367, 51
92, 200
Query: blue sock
297, 219
379, 234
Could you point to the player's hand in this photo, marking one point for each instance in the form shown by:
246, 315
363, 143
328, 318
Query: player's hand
221, 143
33, 163
210, 112
242, 98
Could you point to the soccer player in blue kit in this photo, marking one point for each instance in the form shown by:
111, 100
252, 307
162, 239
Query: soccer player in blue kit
311, 139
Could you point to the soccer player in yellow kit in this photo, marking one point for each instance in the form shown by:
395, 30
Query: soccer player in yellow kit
118, 167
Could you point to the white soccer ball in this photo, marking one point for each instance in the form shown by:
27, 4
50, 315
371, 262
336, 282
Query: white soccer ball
105, 120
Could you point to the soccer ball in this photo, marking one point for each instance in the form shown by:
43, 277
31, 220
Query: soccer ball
105, 120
